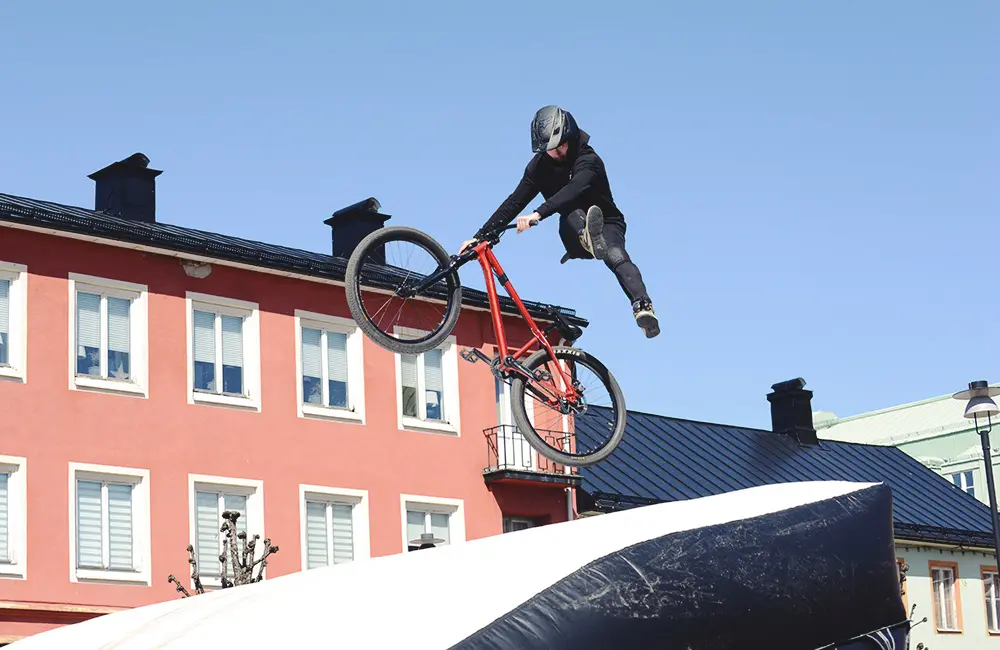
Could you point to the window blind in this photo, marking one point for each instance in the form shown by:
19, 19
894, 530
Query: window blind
4, 322
336, 344
4, 517
207, 524
343, 533
89, 538
204, 337
119, 526
232, 341
317, 553
88, 322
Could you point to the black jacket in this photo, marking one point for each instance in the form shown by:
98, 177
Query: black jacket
580, 181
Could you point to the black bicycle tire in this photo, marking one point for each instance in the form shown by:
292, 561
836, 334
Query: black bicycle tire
526, 429
454, 300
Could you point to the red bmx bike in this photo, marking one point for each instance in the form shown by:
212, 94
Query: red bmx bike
401, 275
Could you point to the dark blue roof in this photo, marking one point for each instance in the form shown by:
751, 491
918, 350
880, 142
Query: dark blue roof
669, 459
81, 221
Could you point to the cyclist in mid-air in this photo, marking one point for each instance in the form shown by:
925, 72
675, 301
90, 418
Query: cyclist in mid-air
572, 179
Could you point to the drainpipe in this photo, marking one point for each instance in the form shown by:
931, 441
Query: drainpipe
569, 504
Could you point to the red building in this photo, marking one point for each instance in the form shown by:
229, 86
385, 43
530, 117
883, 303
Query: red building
152, 376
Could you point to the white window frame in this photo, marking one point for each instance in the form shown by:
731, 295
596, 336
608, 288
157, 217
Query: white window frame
141, 523
940, 624
355, 413
250, 312
360, 518
454, 508
962, 484
449, 369
137, 385
17, 518
252, 489
988, 575
17, 368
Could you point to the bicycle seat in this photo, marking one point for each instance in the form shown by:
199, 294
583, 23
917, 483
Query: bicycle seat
569, 331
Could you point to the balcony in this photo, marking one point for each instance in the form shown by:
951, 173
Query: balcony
509, 458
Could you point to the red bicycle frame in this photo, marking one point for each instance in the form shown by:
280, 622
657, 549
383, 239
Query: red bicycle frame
491, 266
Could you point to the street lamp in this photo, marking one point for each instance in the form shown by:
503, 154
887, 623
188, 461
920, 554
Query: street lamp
980, 408
426, 540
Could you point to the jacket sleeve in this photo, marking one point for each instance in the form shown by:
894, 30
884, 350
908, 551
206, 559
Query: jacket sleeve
585, 172
526, 190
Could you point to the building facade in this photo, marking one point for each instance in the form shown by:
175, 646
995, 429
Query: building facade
153, 377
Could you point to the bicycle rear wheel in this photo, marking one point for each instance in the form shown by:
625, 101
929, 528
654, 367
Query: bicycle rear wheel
381, 274
598, 420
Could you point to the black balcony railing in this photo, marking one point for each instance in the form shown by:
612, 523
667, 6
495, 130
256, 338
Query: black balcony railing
507, 450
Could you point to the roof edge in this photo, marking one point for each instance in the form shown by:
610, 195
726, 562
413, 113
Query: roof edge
15, 216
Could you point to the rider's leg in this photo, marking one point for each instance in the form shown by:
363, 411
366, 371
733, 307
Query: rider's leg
583, 234
573, 231
617, 259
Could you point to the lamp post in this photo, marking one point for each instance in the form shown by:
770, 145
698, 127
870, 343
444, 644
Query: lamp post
980, 408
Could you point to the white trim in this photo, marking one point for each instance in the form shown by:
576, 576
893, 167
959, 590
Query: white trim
141, 523
455, 508
17, 517
250, 312
355, 367
360, 523
138, 383
253, 489
17, 309
449, 368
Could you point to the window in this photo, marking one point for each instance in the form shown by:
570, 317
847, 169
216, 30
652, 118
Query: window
991, 593
511, 524
963, 480
107, 335
223, 351
13, 519
428, 388
334, 526
330, 367
110, 539
441, 518
947, 607
13, 321
211, 496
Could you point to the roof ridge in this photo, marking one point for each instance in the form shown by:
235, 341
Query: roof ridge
825, 424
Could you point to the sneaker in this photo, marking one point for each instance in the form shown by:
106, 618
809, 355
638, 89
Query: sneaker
592, 237
645, 317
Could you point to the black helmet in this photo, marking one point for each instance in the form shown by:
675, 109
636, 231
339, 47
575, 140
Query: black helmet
551, 127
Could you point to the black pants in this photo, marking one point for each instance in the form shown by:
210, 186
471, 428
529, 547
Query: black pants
617, 259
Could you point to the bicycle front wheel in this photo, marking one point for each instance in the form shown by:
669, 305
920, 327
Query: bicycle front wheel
381, 276
592, 429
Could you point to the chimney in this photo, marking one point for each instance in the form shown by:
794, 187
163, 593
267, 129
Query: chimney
127, 189
791, 411
355, 222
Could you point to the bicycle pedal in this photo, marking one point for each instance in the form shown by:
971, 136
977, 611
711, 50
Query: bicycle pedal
542, 375
473, 355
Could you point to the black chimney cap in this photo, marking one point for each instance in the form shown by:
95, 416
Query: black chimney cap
369, 206
137, 163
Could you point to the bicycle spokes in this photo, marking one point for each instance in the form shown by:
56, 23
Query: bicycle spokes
395, 301
554, 406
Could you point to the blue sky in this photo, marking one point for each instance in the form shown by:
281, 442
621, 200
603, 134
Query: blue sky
811, 188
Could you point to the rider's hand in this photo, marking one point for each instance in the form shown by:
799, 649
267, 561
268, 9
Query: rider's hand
466, 245
523, 223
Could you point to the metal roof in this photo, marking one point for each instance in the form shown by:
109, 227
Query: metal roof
932, 417
670, 459
91, 223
